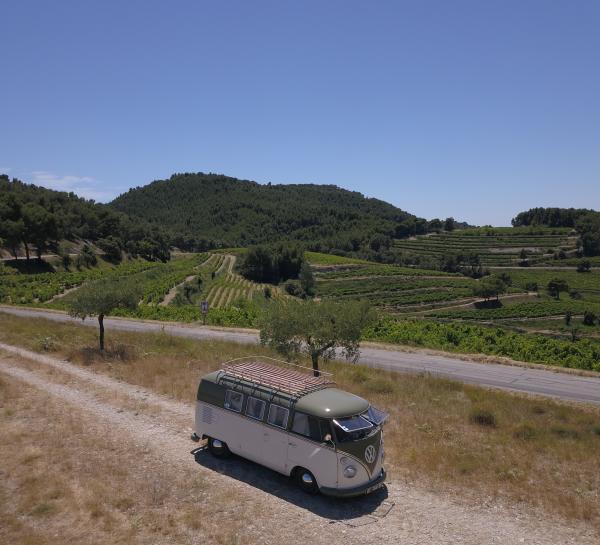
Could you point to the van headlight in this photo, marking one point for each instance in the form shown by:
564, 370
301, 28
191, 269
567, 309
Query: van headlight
349, 471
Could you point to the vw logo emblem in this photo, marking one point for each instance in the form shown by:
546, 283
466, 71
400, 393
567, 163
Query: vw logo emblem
370, 454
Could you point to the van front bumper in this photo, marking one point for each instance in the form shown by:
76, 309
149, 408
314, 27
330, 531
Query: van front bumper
360, 490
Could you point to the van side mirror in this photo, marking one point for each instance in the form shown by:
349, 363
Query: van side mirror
328, 439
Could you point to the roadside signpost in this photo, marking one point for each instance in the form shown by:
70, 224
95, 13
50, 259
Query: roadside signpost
204, 310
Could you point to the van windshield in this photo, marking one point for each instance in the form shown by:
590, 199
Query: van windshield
374, 415
352, 428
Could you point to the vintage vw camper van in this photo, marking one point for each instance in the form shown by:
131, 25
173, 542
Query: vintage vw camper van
326, 439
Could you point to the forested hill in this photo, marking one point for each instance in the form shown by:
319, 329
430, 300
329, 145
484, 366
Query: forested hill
202, 210
553, 217
33, 217
585, 221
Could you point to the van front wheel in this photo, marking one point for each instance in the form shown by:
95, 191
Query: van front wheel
217, 448
306, 481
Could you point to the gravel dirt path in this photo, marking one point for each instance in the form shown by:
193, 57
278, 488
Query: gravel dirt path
173, 291
400, 513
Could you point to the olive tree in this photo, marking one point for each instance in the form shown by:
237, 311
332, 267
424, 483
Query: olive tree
488, 287
316, 329
556, 286
101, 298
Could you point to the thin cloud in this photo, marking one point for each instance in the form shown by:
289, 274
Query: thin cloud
83, 186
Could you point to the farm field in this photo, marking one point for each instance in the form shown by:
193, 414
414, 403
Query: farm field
227, 287
427, 308
583, 295
26, 289
409, 296
171, 291
155, 281
495, 246
394, 288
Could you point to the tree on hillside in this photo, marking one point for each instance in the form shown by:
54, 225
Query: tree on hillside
584, 266
589, 318
315, 329
101, 298
257, 265
87, 257
272, 264
506, 278
110, 247
63, 252
12, 234
488, 287
473, 266
589, 227
556, 286
435, 225
449, 224
35, 215
39, 228
307, 280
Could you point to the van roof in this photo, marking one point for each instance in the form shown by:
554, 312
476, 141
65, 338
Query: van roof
316, 396
332, 403
284, 380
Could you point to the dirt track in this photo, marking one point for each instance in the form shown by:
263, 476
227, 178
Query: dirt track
399, 514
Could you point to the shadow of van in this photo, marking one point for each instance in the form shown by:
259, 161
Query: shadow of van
353, 511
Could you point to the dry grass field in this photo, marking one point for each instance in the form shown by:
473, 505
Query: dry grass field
476, 445
65, 480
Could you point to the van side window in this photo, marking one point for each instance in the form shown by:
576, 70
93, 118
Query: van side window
234, 400
278, 416
255, 408
309, 426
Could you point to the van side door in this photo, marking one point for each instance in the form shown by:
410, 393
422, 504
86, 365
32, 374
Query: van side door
307, 448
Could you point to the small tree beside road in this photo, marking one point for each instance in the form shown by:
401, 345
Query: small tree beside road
316, 329
101, 298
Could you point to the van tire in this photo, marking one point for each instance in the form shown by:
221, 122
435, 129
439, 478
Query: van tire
306, 481
218, 448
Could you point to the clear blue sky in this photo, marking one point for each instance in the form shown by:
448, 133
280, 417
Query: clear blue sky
471, 109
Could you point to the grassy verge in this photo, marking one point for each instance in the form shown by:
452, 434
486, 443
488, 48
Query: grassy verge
461, 439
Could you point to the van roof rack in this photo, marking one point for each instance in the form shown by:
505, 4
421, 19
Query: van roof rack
290, 381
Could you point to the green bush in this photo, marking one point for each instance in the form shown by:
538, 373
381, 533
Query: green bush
565, 433
482, 417
525, 432
589, 318
474, 339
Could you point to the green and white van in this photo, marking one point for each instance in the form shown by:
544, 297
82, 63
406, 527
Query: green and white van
326, 439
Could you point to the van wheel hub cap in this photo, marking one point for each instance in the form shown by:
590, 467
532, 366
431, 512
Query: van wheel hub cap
306, 478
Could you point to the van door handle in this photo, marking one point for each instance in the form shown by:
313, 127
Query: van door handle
292, 444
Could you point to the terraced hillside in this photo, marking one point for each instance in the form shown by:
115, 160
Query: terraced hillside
226, 287
434, 296
498, 246
397, 289
582, 295
49, 287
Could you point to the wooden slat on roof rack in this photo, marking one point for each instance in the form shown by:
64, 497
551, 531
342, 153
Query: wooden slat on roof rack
285, 380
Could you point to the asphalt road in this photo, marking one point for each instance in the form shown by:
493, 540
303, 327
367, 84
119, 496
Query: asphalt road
507, 377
